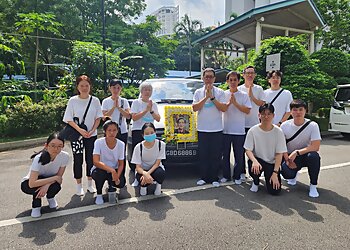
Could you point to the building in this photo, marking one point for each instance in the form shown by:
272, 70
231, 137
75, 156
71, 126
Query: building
168, 17
242, 6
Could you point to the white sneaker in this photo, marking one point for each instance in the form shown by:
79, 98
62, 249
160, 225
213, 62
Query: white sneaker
238, 182
243, 177
143, 191
254, 188
36, 212
91, 189
52, 203
223, 180
80, 191
293, 181
200, 182
216, 184
135, 183
99, 199
313, 191
158, 189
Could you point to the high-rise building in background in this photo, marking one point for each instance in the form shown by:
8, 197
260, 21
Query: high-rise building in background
168, 16
242, 6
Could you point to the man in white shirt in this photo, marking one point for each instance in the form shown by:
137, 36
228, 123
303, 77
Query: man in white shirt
257, 98
208, 101
302, 148
265, 145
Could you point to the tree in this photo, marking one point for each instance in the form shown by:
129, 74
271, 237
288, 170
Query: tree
11, 61
337, 15
186, 28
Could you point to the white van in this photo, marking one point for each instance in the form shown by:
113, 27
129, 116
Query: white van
339, 119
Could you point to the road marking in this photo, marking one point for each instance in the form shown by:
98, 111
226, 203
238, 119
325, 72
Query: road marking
168, 193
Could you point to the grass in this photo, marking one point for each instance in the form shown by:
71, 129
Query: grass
20, 138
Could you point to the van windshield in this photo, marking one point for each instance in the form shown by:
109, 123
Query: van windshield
343, 95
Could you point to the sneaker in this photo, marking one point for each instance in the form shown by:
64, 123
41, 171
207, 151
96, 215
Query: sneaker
143, 191
91, 189
200, 182
243, 177
158, 189
52, 203
99, 199
223, 180
216, 184
293, 181
313, 191
238, 182
80, 191
135, 183
254, 188
36, 212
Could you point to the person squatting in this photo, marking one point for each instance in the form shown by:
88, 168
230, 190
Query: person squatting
242, 118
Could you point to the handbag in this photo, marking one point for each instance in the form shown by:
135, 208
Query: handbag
71, 134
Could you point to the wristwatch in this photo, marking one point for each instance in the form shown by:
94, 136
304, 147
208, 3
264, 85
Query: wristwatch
298, 153
151, 112
212, 99
276, 171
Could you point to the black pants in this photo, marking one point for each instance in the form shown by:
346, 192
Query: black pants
123, 138
310, 160
136, 137
100, 176
244, 171
209, 146
158, 175
78, 158
267, 168
51, 192
237, 142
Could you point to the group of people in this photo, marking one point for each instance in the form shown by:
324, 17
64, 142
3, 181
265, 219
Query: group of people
104, 157
254, 122
245, 118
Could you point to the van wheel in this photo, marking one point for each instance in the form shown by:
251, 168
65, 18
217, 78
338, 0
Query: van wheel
346, 135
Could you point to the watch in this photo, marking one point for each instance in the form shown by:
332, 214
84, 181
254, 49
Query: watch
151, 112
212, 99
276, 171
298, 153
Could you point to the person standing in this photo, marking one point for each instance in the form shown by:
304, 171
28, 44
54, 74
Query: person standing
208, 101
257, 98
265, 145
303, 143
280, 98
76, 107
45, 174
238, 106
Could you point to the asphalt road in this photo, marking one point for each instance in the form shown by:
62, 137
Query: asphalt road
185, 216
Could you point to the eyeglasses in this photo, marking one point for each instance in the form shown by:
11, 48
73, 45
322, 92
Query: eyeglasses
55, 146
209, 77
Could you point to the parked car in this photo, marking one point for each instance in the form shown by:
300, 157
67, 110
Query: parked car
339, 118
15, 77
173, 91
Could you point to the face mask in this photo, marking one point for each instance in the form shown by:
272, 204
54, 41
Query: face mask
150, 138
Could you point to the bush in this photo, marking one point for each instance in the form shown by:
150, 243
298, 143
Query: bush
130, 92
3, 124
323, 112
35, 95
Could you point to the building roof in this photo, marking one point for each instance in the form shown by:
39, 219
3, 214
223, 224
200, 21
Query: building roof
295, 14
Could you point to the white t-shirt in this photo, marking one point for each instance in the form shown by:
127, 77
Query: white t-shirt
304, 139
252, 118
108, 103
138, 106
76, 108
50, 169
234, 119
209, 118
149, 155
265, 144
281, 104
109, 156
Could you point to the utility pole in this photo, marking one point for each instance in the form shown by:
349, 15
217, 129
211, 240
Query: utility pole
104, 45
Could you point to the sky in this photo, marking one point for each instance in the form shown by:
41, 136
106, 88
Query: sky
209, 12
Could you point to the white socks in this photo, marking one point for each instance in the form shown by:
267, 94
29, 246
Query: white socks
293, 181
243, 177
52, 202
136, 182
216, 184
80, 190
254, 188
238, 182
91, 188
200, 182
36, 212
158, 189
313, 191
143, 191
99, 199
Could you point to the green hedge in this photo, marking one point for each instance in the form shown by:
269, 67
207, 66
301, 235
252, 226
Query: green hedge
35, 95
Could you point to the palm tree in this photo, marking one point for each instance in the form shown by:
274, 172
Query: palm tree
187, 27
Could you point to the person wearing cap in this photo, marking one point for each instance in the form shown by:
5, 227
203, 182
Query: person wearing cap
265, 145
257, 98
238, 105
181, 126
208, 101
280, 98
302, 147
118, 109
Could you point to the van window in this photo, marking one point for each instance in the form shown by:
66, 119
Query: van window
343, 95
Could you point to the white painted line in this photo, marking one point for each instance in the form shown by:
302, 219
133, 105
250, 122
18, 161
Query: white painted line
168, 193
